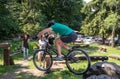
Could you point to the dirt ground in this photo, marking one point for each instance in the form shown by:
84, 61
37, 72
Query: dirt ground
27, 73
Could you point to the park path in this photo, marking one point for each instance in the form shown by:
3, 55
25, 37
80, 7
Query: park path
25, 72
24, 69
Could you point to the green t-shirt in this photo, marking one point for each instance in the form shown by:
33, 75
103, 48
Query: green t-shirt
61, 29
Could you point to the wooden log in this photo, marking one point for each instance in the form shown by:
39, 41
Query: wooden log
115, 56
6, 57
93, 58
4, 45
11, 61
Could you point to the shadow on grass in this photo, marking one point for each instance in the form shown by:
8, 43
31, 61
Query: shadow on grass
24, 72
4, 69
91, 49
61, 75
16, 72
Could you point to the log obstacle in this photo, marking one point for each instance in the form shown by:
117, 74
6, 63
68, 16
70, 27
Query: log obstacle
114, 56
93, 58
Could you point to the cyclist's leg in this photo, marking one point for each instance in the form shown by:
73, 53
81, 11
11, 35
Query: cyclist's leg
62, 41
65, 46
59, 44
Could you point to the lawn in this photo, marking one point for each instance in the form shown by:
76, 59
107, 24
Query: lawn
92, 50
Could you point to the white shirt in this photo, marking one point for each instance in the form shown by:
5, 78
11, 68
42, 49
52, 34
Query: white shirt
42, 44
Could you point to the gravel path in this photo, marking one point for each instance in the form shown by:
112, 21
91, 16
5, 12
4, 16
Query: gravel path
27, 73
23, 71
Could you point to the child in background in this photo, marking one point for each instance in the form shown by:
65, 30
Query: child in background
41, 44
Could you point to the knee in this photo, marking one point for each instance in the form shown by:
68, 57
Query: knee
58, 42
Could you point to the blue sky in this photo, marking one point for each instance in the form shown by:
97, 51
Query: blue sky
87, 1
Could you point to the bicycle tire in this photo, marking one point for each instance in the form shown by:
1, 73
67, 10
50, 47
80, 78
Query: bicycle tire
78, 61
46, 60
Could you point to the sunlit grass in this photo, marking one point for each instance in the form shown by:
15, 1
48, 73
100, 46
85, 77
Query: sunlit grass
110, 51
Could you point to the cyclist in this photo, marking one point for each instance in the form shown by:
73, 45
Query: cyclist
67, 35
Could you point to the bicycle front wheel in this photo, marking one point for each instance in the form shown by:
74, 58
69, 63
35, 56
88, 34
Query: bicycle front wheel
78, 61
42, 60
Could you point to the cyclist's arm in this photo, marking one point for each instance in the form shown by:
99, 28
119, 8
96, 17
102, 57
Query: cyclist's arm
43, 32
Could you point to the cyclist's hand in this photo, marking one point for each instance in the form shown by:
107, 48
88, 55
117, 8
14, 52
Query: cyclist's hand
36, 38
39, 35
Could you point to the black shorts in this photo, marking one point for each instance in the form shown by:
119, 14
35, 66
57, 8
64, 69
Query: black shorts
69, 38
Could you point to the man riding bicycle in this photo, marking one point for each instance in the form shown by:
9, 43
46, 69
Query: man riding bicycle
67, 35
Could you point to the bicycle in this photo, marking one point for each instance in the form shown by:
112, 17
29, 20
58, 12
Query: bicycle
77, 60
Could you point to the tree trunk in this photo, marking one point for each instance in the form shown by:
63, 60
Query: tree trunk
103, 41
112, 38
118, 39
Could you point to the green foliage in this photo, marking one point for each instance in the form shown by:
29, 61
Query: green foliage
111, 20
102, 18
31, 16
67, 11
7, 23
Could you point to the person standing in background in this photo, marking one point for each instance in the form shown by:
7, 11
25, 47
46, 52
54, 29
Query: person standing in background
25, 46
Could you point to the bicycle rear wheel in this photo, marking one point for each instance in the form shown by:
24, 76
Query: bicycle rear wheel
78, 61
42, 60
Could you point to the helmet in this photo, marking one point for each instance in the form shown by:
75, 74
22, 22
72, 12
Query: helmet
50, 23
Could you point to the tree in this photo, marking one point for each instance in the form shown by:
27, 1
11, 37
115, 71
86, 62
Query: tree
64, 11
33, 15
101, 15
112, 21
28, 15
7, 22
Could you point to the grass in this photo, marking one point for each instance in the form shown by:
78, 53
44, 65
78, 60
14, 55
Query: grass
4, 69
91, 50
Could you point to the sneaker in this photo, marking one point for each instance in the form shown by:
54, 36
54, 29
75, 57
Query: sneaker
41, 67
60, 58
69, 50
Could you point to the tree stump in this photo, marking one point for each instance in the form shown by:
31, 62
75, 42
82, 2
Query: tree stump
6, 57
102, 49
